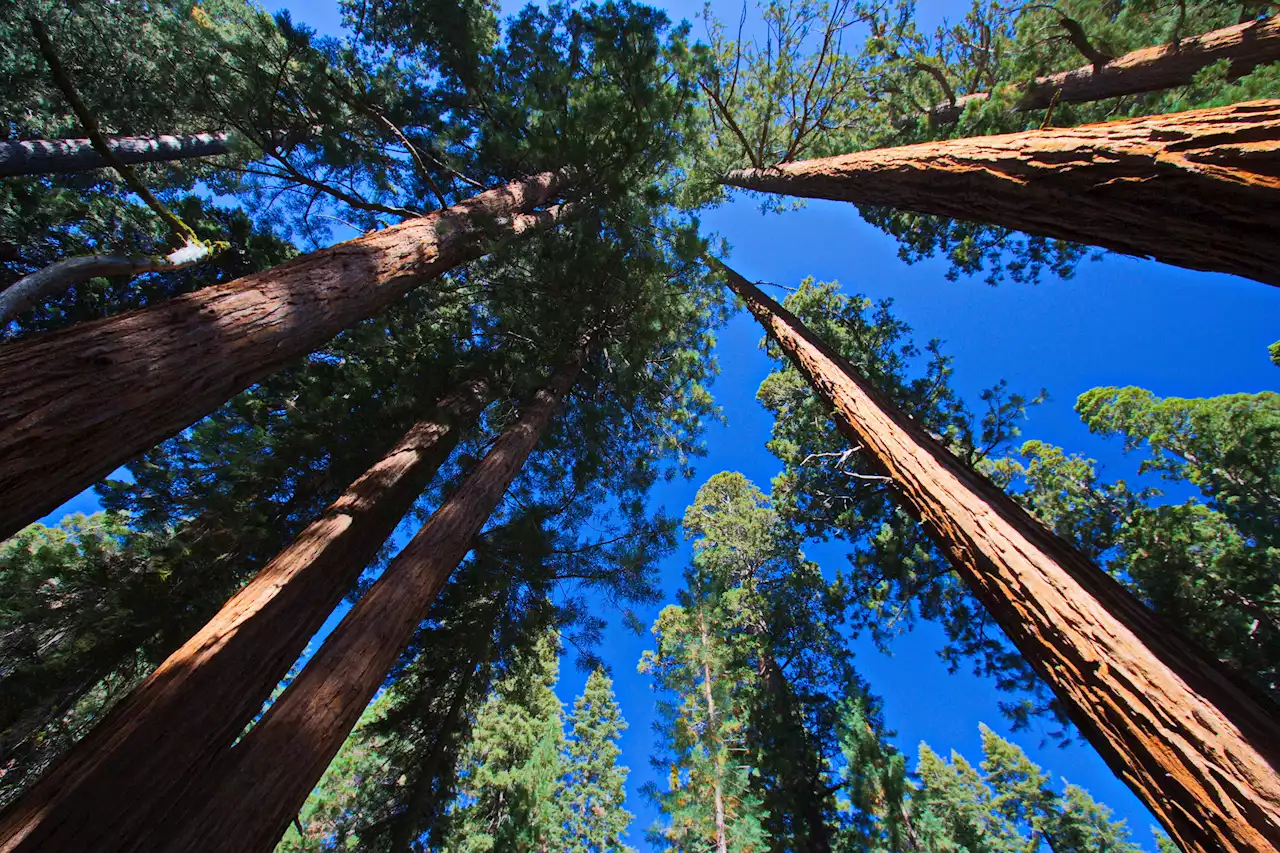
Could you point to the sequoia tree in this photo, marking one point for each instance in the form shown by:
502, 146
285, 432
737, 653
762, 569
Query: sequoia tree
1196, 746
192, 709
247, 799
82, 401
1195, 189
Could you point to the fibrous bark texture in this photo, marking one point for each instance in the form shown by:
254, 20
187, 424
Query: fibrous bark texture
246, 800
1200, 750
135, 765
61, 156
1198, 189
80, 402
1245, 46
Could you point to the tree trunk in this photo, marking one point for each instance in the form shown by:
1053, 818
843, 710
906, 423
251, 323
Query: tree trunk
81, 402
138, 762
62, 156
1199, 749
1197, 189
722, 832
1150, 69
245, 801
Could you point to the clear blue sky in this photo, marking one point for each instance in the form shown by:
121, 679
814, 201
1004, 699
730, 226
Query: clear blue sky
1121, 321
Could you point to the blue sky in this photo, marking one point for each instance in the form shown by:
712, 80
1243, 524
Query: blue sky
1120, 321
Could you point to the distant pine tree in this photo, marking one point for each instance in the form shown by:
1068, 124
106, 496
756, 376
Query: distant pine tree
594, 785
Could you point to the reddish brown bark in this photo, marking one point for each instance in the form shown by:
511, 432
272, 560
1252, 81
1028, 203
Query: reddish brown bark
1197, 189
247, 799
1150, 69
192, 709
81, 402
1200, 751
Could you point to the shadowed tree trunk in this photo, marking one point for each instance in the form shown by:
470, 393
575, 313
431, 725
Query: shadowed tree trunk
191, 710
61, 156
79, 403
1198, 189
1200, 750
247, 799
1150, 69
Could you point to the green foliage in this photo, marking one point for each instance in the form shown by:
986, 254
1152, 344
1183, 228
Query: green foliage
1008, 807
593, 789
78, 603
511, 768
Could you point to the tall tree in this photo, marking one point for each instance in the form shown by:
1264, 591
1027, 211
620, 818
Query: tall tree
1111, 176
73, 428
1011, 562
594, 787
195, 705
1208, 564
253, 793
509, 782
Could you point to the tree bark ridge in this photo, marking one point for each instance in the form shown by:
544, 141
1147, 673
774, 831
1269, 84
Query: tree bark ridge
1198, 189
1199, 749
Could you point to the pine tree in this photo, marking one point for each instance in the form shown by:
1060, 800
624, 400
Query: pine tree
509, 782
988, 537
594, 786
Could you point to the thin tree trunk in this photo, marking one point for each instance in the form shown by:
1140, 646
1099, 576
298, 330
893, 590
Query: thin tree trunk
1245, 46
1197, 189
79, 403
1199, 749
45, 283
190, 711
62, 156
245, 801
722, 833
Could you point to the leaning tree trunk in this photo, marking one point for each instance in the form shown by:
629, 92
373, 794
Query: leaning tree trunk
247, 799
1245, 46
1198, 189
61, 156
79, 403
190, 711
1199, 749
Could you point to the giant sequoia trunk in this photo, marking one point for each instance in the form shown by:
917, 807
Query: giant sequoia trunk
1245, 46
137, 763
1198, 189
61, 156
1201, 751
245, 801
81, 402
